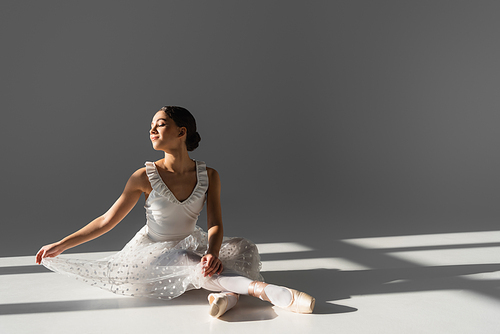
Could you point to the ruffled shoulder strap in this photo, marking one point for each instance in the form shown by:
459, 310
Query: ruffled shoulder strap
156, 182
202, 185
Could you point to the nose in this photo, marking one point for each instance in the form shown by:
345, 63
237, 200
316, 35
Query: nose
153, 129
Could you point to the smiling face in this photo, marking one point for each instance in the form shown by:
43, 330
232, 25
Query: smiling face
164, 133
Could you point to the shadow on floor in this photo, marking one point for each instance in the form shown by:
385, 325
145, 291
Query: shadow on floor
248, 309
333, 285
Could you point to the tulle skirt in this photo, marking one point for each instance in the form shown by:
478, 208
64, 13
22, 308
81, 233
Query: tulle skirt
164, 269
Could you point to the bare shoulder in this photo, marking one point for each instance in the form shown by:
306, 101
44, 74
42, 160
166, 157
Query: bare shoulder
212, 173
213, 177
139, 180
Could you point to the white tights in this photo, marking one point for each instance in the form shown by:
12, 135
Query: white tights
227, 282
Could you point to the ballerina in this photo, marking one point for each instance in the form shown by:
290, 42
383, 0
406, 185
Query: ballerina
171, 254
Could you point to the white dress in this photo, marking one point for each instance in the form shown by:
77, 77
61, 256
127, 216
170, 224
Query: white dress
163, 259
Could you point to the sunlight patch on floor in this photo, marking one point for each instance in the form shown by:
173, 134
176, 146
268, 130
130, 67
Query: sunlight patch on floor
311, 264
426, 240
451, 257
282, 247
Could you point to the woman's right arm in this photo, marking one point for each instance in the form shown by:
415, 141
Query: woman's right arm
136, 185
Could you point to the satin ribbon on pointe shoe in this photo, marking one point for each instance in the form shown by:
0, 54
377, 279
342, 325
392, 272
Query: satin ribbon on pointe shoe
301, 301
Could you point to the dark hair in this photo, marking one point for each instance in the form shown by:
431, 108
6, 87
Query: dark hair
183, 118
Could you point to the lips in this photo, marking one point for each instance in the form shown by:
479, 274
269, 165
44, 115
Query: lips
154, 137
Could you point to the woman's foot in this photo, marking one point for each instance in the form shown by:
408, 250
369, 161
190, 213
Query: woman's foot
221, 302
288, 299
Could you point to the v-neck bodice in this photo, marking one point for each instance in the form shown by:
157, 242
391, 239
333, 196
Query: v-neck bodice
167, 217
171, 194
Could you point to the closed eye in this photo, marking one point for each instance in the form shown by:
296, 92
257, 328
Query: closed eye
158, 126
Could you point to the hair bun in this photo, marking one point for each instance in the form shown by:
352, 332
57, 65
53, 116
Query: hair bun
192, 141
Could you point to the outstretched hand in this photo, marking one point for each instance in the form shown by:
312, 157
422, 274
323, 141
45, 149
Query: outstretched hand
51, 250
211, 265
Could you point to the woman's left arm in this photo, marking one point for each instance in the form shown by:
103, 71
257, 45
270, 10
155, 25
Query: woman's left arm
211, 263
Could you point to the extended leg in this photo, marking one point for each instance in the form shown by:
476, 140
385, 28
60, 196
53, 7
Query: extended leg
289, 299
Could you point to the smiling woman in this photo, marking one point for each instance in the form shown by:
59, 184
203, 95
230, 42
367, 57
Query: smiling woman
171, 254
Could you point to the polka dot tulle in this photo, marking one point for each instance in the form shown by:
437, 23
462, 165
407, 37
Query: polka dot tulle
162, 270
152, 264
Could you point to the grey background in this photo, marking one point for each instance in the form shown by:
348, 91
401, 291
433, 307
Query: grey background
326, 119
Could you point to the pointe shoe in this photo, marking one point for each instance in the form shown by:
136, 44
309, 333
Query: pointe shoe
301, 301
219, 303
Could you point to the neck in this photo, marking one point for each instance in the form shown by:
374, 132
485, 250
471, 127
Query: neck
177, 161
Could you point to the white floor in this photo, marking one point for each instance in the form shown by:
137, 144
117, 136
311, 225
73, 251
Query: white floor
444, 283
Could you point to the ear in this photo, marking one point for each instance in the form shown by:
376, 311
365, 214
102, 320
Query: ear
182, 131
